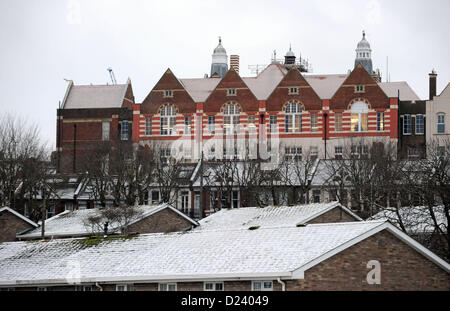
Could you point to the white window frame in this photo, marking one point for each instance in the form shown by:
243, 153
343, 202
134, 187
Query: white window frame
293, 90
165, 287
231, 92
407, 125
126, 287
314, 122
359, 117
231, 118
293, 120
214, 286
359, 88
262, 286
168, 93
185, 202
420, 130
273, 123
168, 120
441, 123
293, 153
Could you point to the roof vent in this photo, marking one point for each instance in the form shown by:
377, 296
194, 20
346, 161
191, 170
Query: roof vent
301, 225
253, 228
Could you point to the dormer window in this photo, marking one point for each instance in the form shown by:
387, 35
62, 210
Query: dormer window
359, 88
168, 93
231, 92
293, 90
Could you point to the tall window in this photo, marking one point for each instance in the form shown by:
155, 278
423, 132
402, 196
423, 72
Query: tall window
164, 154
293, 118
273, 123
380, 121
231, 118
168, 120
188, 125
105, 130
314, 122
338, 122
338, 152
251, 121
124, 130
211, 124
313, 153
359, 113
406, 124
148, 126
185, 202
420, 124
441, 123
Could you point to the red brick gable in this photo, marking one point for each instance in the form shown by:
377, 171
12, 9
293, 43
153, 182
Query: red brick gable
306, 95
128, 101
372, 91
219, 97
181, 98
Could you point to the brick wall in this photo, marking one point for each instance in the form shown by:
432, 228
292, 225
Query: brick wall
163, 221
10, 225
335, 215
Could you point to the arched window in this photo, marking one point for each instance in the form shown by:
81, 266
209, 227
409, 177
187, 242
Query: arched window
231, 115
359, 112
168, 120
293, 118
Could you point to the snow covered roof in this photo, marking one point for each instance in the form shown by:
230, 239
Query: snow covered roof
94, 96
325, 85
195, 255
72, 223
9, 210
247, 217
416, 219
263, 84
199, 89
391, 89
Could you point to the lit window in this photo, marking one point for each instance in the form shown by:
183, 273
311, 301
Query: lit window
167, 287
273, 123
124, 130
148, 126
293, 118
105, 130
293, 90
231, 119
168, 93
407, 124
380, 121
187, 125
213, 286
262, 286
211, 124
338, 122
314, 122
168, 120
420, 124
231, 92
359, 114
441, 123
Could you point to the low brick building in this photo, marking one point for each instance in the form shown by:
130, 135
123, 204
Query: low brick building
358, 255
12, 223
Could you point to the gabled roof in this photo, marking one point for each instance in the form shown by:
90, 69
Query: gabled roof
263, 84
392, 88
247, 217
199, 89
284, 252
94, 96
325, 85
71, 223
9, 210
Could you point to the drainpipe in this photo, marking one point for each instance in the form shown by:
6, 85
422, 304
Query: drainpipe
283, 284
98, 286
325, 115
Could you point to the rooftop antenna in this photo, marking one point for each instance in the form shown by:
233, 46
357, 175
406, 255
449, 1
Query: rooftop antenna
111, 74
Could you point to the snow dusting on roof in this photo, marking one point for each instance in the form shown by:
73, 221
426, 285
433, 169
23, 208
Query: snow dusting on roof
193, 255
391, 89
325, 85
199, 89
95, 96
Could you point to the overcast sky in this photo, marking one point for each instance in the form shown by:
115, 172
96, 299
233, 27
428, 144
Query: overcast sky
44, 42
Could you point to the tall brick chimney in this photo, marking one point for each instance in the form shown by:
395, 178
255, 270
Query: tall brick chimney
234, 62
433, 78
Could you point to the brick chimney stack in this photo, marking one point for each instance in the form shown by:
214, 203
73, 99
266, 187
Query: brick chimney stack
234, 62
433, 78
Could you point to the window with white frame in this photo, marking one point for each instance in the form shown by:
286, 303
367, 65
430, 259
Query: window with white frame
406, 124
168, 120
293, 153
124, 130
441, 123
105, 130
293, 118
359, 88
185, 202
338, 122
380, 121
273, 123
188, 125
359, 113
231, 119
231, 92
314, 122
124, 287
168, 93
213, 286
148, 126
359, 151
211, 124
262, 286
420, 124
167, 287
338, 152
293, 90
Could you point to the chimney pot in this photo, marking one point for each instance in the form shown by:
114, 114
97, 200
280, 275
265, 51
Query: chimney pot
433, 82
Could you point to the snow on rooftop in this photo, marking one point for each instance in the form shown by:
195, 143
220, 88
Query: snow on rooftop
71, 223
199, 89
195, 254
95, 96
247, 217
392, 89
